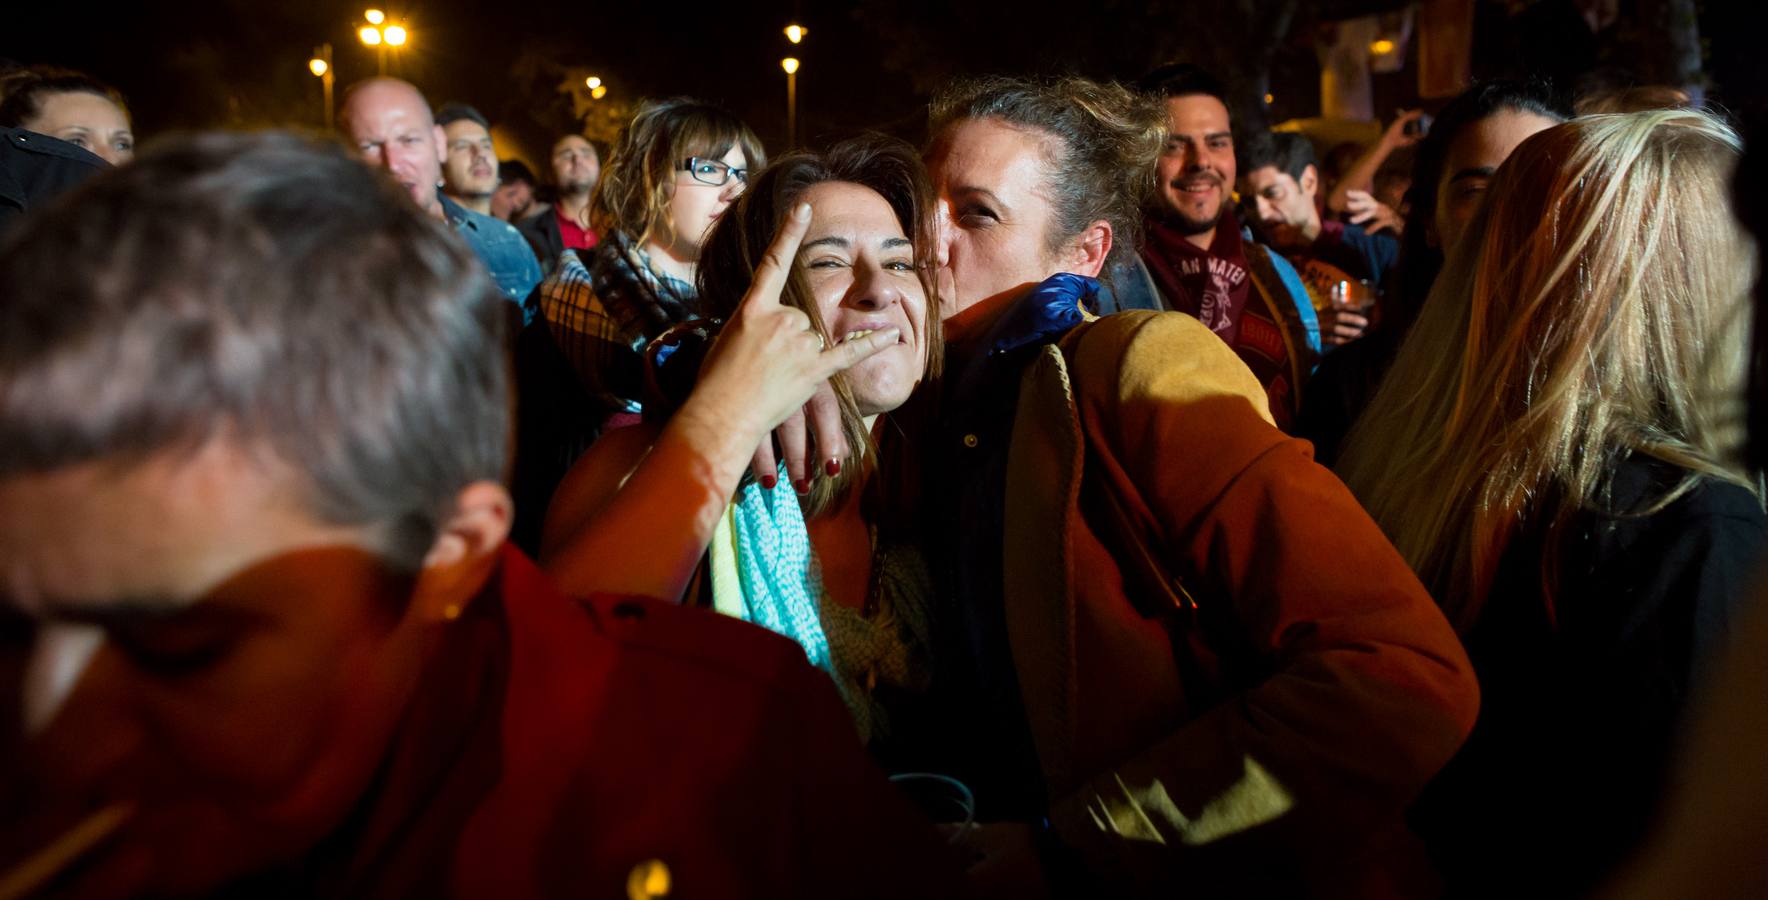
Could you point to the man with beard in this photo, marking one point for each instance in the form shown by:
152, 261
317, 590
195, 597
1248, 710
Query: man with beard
576, 168
1201, 259
469, 171
1281, 182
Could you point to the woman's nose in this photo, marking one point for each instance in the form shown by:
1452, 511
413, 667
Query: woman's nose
873, 288
947, 230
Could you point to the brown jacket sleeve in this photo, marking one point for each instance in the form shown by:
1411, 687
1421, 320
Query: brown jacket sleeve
1366, 692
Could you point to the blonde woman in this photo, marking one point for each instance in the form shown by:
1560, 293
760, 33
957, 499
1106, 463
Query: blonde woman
1553, 454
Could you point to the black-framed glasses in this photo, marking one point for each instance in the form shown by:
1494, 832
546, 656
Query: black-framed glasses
713, 172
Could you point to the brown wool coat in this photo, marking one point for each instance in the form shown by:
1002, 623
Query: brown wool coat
1261, 726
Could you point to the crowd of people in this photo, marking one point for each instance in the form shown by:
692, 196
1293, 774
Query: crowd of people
1096, 501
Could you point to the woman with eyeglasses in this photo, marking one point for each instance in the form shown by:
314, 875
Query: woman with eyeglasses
579, 368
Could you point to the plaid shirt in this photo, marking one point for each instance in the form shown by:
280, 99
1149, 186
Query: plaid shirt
601, 333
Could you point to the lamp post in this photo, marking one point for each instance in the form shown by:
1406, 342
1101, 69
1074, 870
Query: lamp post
321, 66
790, 64
796, 34
381, 34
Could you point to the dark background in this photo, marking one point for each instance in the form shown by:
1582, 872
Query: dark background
869, 63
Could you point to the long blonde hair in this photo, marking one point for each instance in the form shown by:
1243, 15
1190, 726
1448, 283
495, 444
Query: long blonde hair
1597, 308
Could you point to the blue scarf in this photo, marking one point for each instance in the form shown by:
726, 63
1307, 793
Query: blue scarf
763, 570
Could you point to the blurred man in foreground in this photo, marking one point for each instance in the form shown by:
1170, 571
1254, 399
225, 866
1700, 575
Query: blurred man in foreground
260, 631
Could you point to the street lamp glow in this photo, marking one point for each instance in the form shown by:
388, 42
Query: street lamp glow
600, 91
370, 35
1382, 47
375, 16
317, 66
796, 33
790, 64
395, 35
592, 82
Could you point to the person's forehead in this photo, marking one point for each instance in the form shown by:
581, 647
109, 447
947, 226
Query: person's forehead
850, 211
1196, 114
466, 128
83, 108
572, 142
385, 109
1488, 142
169, 527
990, 155
1264, 176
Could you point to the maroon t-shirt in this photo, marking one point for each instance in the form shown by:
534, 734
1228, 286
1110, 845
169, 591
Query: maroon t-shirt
1216, 287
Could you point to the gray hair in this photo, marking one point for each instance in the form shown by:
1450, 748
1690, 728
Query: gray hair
266, 288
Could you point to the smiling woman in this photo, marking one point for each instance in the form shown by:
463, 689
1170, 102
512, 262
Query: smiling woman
832, 569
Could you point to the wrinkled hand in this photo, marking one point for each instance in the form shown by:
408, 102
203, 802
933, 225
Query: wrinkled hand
768, 360
1374, 215
1396, 136
1341, 326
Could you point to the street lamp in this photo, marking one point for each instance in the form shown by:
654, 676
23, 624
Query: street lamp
321, 66
380, 34
592, 82
796, 33
790, 64
598, 92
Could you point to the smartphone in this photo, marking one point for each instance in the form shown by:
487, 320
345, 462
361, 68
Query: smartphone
1418, 126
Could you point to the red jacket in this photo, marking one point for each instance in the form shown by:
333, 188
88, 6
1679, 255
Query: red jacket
556, 748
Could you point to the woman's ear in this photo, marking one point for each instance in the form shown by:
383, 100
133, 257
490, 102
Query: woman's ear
1091, 249
465, 551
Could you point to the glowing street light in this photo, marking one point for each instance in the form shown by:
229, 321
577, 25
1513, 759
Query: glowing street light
1382, 47
370, 35
395, 35
790, 64
321, 67
598, 92
592, 82
796, 33
375, 16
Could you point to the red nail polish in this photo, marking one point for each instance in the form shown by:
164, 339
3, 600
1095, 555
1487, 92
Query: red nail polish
832, 467
802, 486
768, 481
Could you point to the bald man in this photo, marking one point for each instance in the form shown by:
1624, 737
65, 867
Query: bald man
391, 127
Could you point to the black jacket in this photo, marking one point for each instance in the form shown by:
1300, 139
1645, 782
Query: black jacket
1581, 700
542, 232
36, 167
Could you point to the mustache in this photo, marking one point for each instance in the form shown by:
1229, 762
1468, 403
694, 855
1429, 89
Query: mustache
1209, 178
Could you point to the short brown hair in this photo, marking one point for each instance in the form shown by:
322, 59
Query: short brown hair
280, 293
640, 171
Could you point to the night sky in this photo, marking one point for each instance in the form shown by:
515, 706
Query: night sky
214, 63
866, 63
